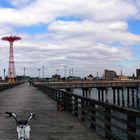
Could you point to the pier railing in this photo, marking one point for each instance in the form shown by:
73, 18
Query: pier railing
114, 122
91, 84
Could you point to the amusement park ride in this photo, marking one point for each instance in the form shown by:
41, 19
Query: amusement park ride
11, 69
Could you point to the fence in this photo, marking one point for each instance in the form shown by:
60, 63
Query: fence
114, 122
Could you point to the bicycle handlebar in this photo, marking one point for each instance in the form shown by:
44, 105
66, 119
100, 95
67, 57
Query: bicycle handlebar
32, 116
9, 113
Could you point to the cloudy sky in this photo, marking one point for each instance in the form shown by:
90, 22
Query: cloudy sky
86, 35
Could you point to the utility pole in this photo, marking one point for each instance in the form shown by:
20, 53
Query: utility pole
69, 72
4, 74
121, 73
57, 71
38, 73
72, 71
65, 71
97, 74
43, 71
24, 73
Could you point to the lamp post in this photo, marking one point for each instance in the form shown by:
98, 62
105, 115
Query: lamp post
72, 71
38, 73
65, 71
4, 74
43, 71
24, 73
69, 72
57, 71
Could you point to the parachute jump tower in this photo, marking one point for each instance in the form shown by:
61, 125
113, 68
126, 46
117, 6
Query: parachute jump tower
11, 69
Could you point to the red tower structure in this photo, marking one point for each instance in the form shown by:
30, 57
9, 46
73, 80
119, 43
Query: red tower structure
11, 69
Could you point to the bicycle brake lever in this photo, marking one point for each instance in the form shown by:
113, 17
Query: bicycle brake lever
9, 113
34, 116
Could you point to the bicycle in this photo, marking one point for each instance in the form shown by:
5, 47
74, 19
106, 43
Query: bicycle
23, 128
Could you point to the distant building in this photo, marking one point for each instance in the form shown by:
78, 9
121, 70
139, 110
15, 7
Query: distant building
110, 75
19, 78
90, 77
56, 77
121, 77
138, 73
74, 78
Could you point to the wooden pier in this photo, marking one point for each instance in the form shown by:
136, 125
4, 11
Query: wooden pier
115, 122
92, 84
124, 93
50, 124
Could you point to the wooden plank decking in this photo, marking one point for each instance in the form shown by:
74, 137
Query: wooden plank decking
50, 124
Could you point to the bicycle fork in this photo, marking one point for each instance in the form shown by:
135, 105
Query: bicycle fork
23, 132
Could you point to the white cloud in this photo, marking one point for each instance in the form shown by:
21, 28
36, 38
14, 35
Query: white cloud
88, 45
107, 32
45, 11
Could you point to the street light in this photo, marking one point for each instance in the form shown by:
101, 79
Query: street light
24, 73
38, 73
57, 71
65, 71
69, 72
4, 73
43, 68
72, 71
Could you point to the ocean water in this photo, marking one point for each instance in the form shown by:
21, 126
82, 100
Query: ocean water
119, 133
94, 95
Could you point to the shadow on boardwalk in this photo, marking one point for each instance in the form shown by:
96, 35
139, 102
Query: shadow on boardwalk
50, 124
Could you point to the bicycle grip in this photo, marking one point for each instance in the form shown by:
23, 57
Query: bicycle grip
34, 116
9, 113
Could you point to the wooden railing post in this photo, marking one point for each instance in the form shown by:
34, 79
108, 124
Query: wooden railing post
131, 121
76, 106
58, 99
62, 97
93, 117
82, 109
107, 123
65, 100
68, 102
70, 105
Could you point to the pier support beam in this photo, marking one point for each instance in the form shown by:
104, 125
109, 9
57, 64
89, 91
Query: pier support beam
102, 93
114, 96
137, 98
133, 99
132, 96
106, 95
118, 95
128, 99
86, 92
119, 98
123, 101
99, 95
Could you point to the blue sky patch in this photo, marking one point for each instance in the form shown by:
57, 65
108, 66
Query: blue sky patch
34, 29
126, 63
136, 50
69, 18
6, 4
134, 26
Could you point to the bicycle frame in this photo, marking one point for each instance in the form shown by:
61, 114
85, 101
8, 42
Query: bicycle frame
23, 128
23, 132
